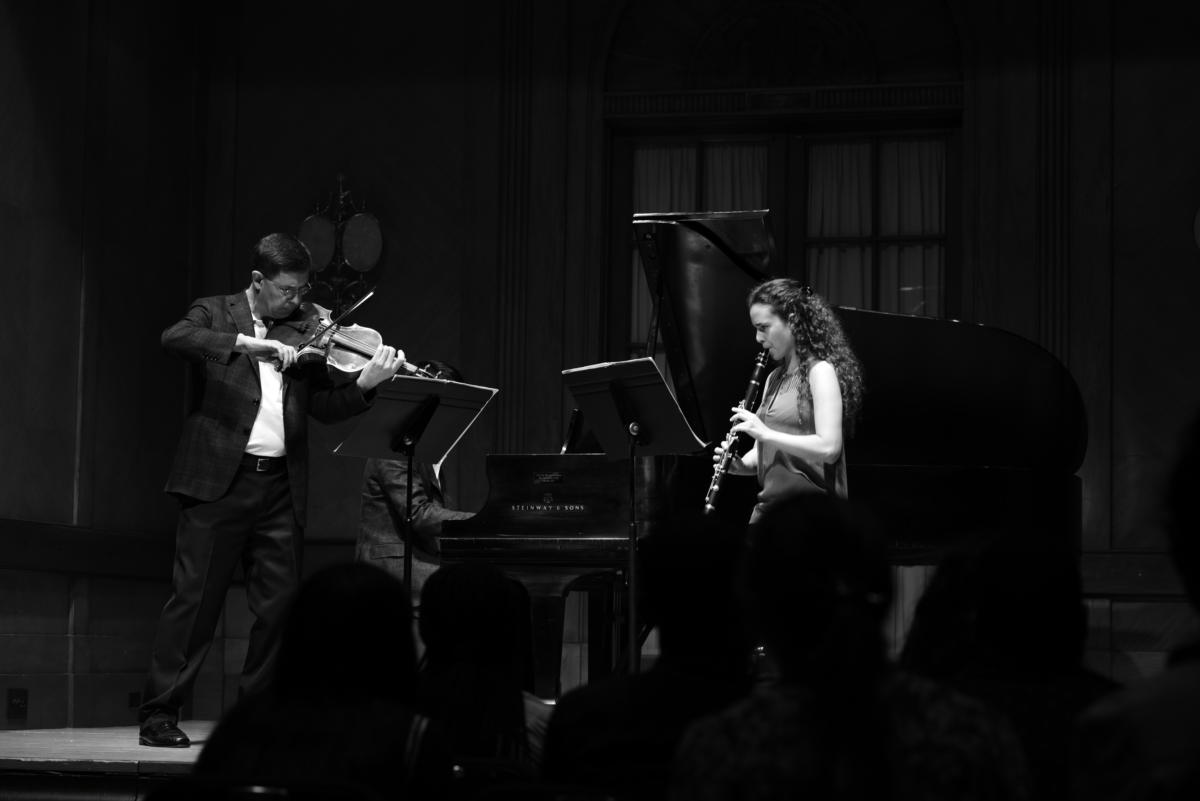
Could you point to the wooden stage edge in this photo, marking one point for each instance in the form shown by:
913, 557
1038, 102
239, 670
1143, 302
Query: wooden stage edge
111, 752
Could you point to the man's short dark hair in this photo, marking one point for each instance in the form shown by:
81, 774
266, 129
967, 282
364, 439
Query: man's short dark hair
280, 253
441, 369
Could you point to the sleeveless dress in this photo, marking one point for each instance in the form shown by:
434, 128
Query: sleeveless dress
782, 475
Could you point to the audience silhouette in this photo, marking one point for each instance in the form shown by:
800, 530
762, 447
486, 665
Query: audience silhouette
1144, 742
620, 733
477, 669
1003, 621
990, 699
840, 722
339, 713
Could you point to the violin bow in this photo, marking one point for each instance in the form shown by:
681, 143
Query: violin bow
321, 329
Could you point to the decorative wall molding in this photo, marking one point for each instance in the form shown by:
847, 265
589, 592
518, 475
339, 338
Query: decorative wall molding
79, 550
799, 101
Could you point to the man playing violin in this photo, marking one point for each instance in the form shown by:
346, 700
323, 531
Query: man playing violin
241, 472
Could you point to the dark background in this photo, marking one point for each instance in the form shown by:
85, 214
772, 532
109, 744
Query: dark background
145, 146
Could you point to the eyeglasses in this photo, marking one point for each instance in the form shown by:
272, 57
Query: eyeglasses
290, 292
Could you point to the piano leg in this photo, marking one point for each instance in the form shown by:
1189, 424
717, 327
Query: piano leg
602, 615
548, 588
546, 612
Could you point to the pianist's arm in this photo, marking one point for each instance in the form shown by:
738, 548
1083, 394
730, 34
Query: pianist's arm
385, 487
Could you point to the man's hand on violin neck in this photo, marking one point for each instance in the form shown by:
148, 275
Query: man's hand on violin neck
383, 365
268, 350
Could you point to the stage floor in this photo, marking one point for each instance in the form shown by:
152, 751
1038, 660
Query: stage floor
113, 750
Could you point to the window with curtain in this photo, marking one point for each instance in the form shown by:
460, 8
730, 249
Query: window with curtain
875, 226
865, 216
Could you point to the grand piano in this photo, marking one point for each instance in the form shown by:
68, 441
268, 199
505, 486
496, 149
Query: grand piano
964, 427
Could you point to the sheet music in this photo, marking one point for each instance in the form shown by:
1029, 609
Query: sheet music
609, 392
400, 401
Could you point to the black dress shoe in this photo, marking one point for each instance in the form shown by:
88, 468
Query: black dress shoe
163, 734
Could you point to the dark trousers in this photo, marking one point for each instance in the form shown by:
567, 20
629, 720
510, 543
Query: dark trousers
254, 524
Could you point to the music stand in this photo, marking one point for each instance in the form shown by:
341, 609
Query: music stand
423, 417
631, 411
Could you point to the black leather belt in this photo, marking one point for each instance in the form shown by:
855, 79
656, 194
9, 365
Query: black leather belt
263, 464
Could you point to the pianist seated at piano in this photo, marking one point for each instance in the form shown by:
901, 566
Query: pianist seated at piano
383, 514
812, 393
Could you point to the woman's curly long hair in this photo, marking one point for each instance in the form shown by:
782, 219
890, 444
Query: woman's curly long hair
819, 337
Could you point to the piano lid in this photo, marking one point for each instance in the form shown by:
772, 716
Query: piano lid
942, 392
699, 268
938, 392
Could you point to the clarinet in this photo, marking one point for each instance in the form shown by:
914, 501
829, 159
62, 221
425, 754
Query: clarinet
722, 467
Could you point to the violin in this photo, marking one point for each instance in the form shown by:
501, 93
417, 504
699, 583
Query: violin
318, 338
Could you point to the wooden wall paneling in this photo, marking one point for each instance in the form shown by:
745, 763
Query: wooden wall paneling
618, 209
1127, 574
978, 78
106, 698
512, 356
1131, 667
33, 653
587, 223
1052, 202
125, 607
533, 260
554, 268
106, 653
1089, 355
73, 549
139, 200
1098, 654
1156, 261
47, 699
33, 602
217, 261
999, 176
1153, 625
42, 69
480, 236
113, 623
34, 646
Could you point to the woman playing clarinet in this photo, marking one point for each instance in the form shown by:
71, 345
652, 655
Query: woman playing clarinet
813, 393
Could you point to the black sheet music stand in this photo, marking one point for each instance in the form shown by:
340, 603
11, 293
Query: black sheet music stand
415, 417
632, 413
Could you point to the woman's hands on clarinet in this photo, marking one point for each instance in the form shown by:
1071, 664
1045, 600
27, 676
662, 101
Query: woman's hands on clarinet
737, 464
748, 423
747, 463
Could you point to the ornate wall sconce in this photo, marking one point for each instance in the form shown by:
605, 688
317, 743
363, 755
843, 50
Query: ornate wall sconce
345, 242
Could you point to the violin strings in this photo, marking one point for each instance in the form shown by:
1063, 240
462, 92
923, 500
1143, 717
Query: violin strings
364, 346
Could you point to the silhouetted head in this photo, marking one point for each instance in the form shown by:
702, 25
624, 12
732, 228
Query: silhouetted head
1006, 599
817, 580
1030, 600
471, 613
348, 636
478, 658
443, 370
687, 576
